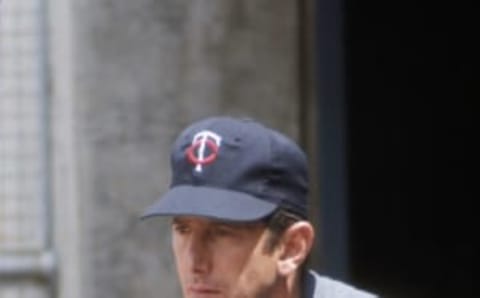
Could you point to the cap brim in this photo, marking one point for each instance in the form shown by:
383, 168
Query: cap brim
210, 202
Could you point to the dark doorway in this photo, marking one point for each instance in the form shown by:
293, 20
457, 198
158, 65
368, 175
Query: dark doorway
408, 68
397, 84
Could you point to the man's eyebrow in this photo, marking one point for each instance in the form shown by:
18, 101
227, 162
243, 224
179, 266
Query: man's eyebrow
177, 221
237, 225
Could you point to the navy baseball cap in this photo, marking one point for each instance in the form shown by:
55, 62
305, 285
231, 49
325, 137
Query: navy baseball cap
234, 170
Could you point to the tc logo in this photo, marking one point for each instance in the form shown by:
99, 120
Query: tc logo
202, 141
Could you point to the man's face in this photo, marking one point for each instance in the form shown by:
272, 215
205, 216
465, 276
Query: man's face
218, 259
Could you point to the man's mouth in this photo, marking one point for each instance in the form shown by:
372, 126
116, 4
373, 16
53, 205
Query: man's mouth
203, 289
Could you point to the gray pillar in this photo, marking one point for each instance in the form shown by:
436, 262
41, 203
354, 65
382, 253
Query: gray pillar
131, 75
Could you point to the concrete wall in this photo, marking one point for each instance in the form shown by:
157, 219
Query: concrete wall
127, 77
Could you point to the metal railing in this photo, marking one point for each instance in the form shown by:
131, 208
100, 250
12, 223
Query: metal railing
38, 266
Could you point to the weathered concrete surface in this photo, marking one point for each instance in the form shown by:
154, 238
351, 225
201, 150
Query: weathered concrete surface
142, 71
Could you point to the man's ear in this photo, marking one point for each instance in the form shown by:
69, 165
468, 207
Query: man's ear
296, 244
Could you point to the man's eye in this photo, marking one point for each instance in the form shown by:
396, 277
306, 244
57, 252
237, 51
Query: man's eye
181, 229
223, 232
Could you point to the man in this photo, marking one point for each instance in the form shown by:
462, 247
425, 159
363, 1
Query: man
238, 203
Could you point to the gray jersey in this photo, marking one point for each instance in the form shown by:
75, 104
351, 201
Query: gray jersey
317, 286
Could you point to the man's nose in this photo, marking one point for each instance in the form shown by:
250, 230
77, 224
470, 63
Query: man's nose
199, 253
